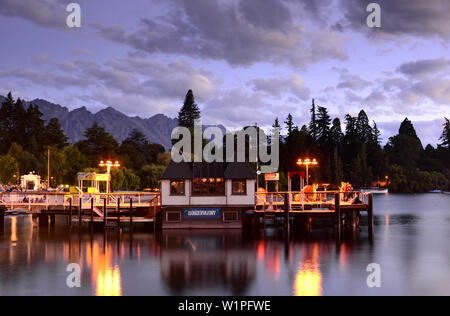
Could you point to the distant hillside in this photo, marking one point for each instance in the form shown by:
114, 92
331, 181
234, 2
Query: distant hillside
158, 128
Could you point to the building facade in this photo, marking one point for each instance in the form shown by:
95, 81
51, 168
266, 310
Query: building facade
206, 195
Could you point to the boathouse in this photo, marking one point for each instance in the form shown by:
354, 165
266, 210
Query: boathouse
206, 195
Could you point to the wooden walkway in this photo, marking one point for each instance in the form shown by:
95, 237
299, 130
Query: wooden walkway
93, 209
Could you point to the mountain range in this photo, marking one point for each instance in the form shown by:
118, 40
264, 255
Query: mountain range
157, 129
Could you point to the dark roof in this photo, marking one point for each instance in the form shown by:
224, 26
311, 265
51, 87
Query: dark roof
177, 171
239, 170
186, 170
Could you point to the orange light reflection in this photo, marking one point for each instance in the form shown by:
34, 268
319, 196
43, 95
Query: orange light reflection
308, 281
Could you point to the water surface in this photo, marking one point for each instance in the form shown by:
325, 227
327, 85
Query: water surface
411, 244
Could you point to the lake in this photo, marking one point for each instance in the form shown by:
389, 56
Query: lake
410, 244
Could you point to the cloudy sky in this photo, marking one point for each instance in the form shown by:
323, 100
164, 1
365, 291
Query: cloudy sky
246, 60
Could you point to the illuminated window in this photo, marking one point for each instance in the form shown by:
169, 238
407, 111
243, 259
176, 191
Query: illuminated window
239, 187
177, 188
208, 187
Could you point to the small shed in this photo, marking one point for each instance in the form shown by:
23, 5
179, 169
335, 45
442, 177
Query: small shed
30, 182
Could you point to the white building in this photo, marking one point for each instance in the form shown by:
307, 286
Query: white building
206, 195
30, 182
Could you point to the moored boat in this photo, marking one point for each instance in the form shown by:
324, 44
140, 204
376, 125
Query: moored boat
375, 190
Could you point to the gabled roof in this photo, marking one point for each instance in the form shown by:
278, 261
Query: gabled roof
186, 170
177, 171
239, 170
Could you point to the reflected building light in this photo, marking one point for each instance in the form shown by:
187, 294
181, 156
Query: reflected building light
106, 278
308, 281
260, 251
13, 229
109, 282
343, 255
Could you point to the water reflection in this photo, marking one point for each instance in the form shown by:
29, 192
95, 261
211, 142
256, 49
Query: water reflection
33, 260
308, 281
202, 260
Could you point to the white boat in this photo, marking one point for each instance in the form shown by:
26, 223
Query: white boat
435, 191
374, 190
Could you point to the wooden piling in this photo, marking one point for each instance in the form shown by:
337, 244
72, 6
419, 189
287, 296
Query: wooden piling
286, 212
370, 215
155, 208
118, 213
70, 212
43, 219
91, 223
337, 210
131, 213
80, 213
2, 219
105, 212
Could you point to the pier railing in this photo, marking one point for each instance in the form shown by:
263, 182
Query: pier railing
301, 201
46, 200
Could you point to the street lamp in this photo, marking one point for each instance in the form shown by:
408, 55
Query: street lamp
108, 164
307, 162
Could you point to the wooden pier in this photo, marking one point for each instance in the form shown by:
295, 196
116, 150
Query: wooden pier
296, 210
97, 210
300, 209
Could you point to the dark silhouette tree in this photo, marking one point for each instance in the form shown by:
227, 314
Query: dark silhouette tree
289, 124
189, 112
97, 145
55, 135
313, 124
323, 127
445, 137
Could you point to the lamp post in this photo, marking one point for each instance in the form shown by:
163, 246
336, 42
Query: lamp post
307, 162
109, 164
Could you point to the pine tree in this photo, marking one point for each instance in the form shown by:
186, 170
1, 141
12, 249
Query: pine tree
363, 128
6, 123
98, 144
323, 126
336, 135
407, 128
55, 134
376, 134
276, 124
313, 123
289, 124
189, 112
445, 138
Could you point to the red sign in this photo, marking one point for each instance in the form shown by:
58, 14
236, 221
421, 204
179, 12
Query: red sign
272, 176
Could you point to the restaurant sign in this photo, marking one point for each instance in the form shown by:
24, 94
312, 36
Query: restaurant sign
272, 177
202, 213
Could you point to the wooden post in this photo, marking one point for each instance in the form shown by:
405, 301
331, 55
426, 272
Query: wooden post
52, 220
370, 215
80, 213
337, 210
105, 211
70, 212
131, 213
92, 214
118, 212
286, 212
2, 219
155, 206
43, 219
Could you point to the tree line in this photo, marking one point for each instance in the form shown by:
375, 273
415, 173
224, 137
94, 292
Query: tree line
356, 155
25, 140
